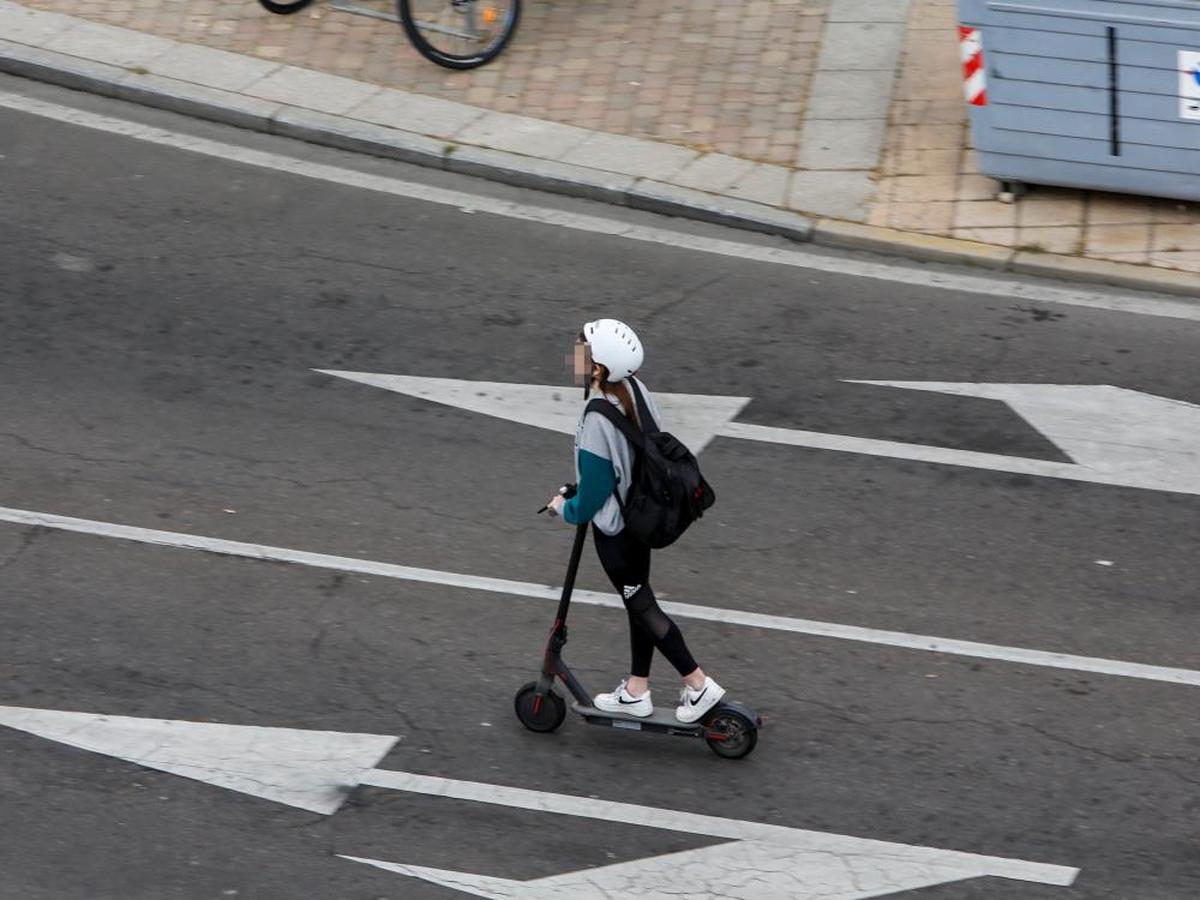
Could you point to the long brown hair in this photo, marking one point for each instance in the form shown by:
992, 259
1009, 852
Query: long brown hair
620, 390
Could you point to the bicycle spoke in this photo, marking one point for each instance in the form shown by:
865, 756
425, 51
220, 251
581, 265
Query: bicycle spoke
462, 30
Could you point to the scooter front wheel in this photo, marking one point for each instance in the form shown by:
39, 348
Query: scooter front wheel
539, 714
730, 733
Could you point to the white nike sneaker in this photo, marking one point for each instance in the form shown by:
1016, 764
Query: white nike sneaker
621, 701
694, 704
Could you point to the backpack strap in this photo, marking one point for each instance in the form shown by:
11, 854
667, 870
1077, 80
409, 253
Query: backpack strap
643, 410
632, 433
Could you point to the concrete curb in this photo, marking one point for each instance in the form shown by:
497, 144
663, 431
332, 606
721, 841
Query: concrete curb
931, 248
58, 68
551, 176
357, 137
1099, 271
913, 245
539, 174
686, 203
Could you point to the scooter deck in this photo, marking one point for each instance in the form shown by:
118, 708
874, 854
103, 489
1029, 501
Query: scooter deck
660, 720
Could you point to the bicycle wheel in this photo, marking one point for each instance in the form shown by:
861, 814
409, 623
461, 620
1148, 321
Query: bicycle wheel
459, 34
284, 7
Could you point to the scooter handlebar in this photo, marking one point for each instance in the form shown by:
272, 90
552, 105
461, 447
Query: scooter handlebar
567, 491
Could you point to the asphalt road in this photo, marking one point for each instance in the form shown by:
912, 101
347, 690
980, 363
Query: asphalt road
161, 317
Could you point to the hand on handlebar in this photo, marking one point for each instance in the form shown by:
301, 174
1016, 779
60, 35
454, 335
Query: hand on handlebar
554, 504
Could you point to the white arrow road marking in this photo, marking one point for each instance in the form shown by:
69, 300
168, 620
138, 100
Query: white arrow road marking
1137, 439
741, 870
823, 850
312, 770
945, 456
1020, 655
693, 418
1114, 436
315, 770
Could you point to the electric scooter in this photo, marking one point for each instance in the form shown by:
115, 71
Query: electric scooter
730, 729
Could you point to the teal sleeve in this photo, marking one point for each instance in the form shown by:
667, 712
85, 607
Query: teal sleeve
597, 479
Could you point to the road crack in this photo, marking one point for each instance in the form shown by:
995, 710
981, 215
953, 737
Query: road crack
27, 538
30, 445
684, 296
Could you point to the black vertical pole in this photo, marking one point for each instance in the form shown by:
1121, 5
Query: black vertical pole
572, 570
1114, 111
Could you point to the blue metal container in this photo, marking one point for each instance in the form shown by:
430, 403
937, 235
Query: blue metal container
1089, 93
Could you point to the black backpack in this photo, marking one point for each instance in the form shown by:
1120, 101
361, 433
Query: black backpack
667, 493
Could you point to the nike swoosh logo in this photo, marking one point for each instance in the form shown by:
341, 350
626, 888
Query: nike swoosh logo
698, 699
625, 702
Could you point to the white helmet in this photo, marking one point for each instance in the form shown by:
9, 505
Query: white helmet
614, 346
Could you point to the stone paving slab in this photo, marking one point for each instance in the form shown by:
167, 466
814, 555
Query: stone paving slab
217, 68
713, 171
845, 120
415, 112
868, 11
116, 46
861, 46
569, 125
847, 95
25, 26
521, 134
630, 156
841, 143
313, 90
841, 195
762, 184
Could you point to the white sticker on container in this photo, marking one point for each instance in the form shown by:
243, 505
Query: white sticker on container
1189, 85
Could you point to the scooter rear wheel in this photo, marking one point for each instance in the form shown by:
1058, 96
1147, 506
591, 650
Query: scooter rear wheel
540, 717
730, 734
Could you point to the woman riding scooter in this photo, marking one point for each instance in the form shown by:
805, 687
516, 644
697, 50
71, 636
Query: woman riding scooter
607, 354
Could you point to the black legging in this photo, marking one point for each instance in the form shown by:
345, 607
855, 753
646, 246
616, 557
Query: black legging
627, 564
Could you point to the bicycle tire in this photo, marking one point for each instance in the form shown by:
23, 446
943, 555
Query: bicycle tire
454, 60
285, 8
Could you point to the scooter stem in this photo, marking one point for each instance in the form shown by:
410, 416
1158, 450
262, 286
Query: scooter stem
572, 569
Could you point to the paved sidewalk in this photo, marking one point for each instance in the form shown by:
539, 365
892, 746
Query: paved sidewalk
717, 76
762, 114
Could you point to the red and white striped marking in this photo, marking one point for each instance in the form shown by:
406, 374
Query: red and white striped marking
970, 43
